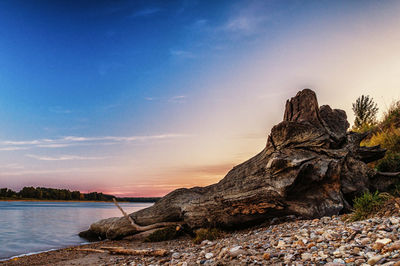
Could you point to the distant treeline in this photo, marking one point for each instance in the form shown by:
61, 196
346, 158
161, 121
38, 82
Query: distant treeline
42, 193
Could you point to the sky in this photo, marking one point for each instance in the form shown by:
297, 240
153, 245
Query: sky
138, 98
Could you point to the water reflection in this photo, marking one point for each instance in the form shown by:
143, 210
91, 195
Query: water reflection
36, 226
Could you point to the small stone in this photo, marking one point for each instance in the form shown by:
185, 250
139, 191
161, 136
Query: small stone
395, 246
209, 255
176, 255
306, 256
236, 251
339, 262
384, 241
373, 260
300, 243
310, 245
281, 244
365, 241
266, 256
378, 246
205, 242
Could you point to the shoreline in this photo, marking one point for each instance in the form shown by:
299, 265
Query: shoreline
44, 200
319, 241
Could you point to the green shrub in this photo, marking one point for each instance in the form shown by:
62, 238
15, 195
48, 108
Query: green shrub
206, 234
388, 139
367, 205
392, 116
390, 163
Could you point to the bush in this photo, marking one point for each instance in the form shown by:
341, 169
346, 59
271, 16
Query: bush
367, 205
388, 139
206, 234
163, 234
392, 116
391, 163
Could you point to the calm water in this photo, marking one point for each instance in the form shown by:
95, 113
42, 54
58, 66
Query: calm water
38, 226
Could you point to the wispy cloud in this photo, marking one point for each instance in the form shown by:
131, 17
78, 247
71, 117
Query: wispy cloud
199, 24
63, 157
12, 148
145, 12
59, 110
182, 54
11, 166
173, 99
30, 172
178, 99
11, 145
245, 24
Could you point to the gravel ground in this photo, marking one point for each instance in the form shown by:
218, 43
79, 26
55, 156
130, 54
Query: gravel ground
328, 241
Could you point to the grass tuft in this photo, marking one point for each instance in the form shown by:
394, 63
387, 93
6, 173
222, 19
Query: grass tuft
367, 205
163, 234
206, 234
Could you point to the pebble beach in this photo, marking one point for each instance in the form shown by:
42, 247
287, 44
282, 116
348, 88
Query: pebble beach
325, 241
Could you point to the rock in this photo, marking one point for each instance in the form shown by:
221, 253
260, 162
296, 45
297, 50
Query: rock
209, 255
175, 255
365, 241
306, 256
383, 241
281, 244
356, 250
236, 251
266, 256
338, 262
378, 246
310, 167
373, 260
395, 246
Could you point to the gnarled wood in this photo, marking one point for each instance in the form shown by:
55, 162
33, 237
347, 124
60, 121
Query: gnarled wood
310, 167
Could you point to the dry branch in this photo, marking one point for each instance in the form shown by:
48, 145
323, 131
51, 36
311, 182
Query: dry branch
91, 250
144, 252
125, 251
143, 228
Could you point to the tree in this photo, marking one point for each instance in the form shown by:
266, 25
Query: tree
365, 110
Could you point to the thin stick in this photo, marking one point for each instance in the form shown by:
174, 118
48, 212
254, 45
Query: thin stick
91, 250
143, 228
124, 251
126, 215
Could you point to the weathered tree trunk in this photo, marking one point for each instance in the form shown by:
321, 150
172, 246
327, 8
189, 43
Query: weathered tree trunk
310, 167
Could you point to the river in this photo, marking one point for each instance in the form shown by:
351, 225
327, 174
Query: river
34, 226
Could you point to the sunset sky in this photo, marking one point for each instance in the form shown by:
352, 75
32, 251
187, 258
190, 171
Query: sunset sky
137, 98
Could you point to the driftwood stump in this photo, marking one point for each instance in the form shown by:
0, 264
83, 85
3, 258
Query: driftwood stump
310, 167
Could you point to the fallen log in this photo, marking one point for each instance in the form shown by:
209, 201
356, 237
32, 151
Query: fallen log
311, 167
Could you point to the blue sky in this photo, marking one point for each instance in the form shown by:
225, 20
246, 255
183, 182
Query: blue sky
156, 93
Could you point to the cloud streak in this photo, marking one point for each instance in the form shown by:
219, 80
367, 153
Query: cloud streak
145, 12
178, 99
182, 54
11, 145
63, 157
